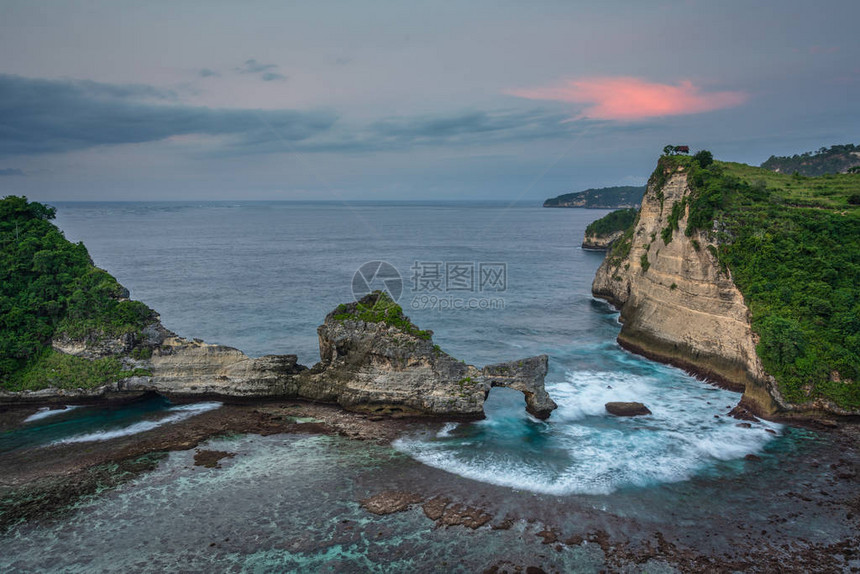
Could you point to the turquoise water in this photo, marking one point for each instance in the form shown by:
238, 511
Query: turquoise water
583, 450
76, 424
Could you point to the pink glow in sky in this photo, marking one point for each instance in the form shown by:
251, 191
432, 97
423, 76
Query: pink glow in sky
626, 98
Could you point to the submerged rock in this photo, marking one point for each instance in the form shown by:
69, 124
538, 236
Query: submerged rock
630, 409
463, 515
435, 507
440, 509
390, 502
211, 458
742, 414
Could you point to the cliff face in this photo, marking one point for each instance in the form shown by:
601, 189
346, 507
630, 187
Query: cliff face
185, 368
598, 242
678, 306
369, 366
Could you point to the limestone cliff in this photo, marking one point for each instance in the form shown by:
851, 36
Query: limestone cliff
678, 305
369, 362
598, 242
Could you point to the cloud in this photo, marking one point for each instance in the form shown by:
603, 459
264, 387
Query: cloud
10, 171
272, 76
51, 116
449, 130
266, 71
625, 98
39, 116
462, 127
207, 73
254, 67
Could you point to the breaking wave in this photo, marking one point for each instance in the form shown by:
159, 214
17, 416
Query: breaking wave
173, 415
582, 449
46, 412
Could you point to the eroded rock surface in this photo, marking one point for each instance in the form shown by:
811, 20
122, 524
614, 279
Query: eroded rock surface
379, 367
439, 509
390, 502
598, 242
526, 376
372, 359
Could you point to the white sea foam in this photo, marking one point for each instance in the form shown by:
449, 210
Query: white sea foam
46, 412
174, 414
584, 450
446, 430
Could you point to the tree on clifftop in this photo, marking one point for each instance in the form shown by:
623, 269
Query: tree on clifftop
704, 158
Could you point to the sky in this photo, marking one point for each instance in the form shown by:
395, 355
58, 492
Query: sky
363, 100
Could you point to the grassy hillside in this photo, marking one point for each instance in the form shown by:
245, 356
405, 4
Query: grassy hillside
835, 159
830, 191
618, 220
603, 198
792, 244
49, 286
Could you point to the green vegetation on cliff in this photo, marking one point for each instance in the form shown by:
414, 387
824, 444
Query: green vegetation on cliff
835, 159
792, 245
50, 287
618, 220
55, 369
600, 198
378, 307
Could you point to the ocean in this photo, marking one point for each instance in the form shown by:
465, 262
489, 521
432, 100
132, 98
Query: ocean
493, 281
262, 276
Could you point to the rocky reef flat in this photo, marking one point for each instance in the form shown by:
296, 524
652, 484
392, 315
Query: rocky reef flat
391, 506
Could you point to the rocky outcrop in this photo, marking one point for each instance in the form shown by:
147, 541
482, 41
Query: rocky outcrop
526, 376
372, 359
632, 409
677, 304
380, 367
597, 242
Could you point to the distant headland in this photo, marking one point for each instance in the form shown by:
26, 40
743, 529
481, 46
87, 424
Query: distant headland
600, 198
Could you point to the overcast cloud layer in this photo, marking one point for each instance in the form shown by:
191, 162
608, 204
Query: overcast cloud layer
383, 100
